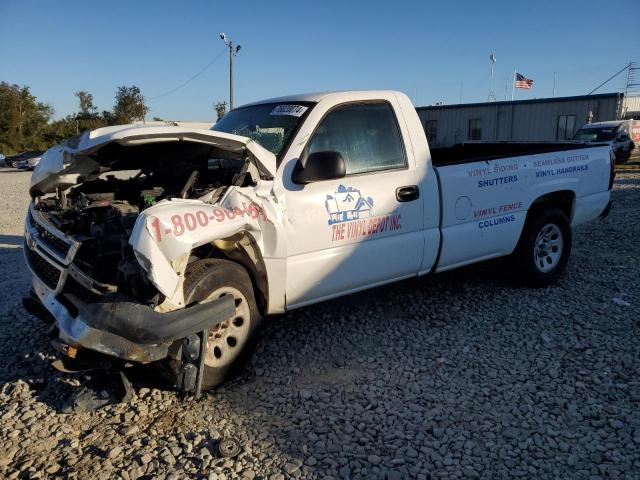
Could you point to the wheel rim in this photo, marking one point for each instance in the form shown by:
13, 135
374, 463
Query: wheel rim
548, 248
226, 340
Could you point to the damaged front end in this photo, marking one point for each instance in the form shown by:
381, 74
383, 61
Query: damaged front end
116, 220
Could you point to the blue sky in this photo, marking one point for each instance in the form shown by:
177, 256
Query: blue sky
430, 50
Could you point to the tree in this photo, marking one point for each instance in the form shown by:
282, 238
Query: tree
129, 105
220, 108
26, 123
87, 117
87, 108
108, 118
23, 120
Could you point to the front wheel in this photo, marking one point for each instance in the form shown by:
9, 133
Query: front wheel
229, 344
544, 248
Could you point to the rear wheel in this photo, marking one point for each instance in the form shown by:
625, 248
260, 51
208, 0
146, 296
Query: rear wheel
230, 343
544, 248
623, 158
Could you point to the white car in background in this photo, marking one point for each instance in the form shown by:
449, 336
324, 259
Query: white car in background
622, 135
25, 160
28, 164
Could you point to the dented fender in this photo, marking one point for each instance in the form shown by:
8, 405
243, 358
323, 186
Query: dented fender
165, 234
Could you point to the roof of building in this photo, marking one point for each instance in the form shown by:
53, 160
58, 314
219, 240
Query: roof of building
533, 100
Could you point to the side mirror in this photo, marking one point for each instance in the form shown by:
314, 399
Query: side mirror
319, 166
623, 137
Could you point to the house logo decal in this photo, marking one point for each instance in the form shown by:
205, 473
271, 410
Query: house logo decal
347, 204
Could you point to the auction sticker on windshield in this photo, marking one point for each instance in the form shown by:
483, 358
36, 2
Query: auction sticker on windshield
293, 110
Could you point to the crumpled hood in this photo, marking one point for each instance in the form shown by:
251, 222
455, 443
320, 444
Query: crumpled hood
63, 164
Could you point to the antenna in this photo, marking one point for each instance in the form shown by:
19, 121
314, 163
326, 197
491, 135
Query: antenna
632, 80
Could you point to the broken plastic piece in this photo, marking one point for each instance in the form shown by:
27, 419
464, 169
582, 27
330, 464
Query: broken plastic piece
187, 377
103, 389
193, 353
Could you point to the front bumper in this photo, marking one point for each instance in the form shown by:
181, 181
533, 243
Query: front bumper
118, 326
96, 317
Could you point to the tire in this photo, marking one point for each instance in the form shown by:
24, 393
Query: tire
623, 159
544, 248
231, 344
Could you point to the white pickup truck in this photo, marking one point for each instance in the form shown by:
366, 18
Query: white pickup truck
170, 245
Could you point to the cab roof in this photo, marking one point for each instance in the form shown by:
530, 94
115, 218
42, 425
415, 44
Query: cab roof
316, 97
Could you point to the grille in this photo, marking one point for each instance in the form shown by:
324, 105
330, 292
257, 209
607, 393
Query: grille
46, 272
49, 239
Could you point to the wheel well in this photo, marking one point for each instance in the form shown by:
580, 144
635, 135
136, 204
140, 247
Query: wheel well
564, 200
243, 249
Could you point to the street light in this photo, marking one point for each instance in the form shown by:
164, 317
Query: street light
232, 52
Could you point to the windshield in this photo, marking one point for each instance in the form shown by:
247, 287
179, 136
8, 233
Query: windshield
602, 134
269, 124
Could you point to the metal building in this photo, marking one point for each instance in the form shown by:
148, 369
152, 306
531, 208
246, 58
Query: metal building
543, 119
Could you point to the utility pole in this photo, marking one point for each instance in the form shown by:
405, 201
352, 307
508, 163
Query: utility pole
232, 53
492, 59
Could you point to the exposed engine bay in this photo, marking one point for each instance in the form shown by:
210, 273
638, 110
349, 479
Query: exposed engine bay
100, 211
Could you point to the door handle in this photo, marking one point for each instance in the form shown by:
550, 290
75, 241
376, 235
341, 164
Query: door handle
408, 193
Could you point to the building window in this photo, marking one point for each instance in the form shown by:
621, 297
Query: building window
566, 127
475, 129
432, 131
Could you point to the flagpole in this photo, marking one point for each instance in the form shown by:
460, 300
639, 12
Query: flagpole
513, 83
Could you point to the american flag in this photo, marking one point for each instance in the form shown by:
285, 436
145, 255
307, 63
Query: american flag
523, 82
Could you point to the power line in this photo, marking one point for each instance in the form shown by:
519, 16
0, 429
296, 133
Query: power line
192, 78
610, 78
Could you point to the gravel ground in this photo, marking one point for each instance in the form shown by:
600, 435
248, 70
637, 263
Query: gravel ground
461, 375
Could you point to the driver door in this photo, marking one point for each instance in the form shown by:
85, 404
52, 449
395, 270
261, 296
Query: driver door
351, 233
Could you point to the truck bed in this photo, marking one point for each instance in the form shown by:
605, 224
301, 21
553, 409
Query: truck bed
470, 152
486, 190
